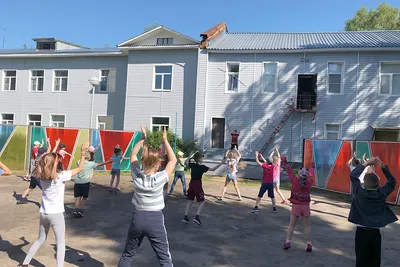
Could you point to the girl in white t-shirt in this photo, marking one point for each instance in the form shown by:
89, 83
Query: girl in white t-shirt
232, 162
52, 178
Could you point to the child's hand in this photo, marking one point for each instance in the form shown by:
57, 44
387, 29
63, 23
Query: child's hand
164, 136
48, 141
84, 147
144, 133
58, 141
371, 161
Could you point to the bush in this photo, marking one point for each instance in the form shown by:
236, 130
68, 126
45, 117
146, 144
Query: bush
154, 139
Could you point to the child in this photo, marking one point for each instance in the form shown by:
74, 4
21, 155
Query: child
370, 212
52, 178
148, 200
63, 152
277, 172
232, 165
4, 170
235, 136
267, 181
300, 198
179, 173
116, 168
354, 162
34, 153
197, 169
93, 149
82, 183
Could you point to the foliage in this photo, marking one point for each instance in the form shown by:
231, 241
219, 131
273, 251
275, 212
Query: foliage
152, 26
154, 139
385, 17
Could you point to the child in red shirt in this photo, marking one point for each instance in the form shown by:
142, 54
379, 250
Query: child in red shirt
300, 198
267, 181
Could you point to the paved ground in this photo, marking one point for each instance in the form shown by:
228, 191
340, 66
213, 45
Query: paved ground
230, 235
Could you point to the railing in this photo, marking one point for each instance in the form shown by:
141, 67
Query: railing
306, 102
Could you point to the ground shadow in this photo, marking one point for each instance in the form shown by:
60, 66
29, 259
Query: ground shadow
16, 253
79, 257
19, 197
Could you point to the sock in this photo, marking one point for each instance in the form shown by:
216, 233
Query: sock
287, 240
308, 242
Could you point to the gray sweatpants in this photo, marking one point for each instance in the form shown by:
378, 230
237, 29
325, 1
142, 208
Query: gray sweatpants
57, 222
148, 224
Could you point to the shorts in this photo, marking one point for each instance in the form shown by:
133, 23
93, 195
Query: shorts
277, 183
300, 210
230, 177
233, 146
195, 190
34, 182
115, 172
81, 190
264, 188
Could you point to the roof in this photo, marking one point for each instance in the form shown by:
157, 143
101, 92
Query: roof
67, 52
385, 127
42, 40
161, 27
306, 41
212, 33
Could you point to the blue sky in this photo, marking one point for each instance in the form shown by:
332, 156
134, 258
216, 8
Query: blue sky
97, 23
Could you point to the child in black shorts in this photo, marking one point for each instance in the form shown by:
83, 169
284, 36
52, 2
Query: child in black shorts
197, 169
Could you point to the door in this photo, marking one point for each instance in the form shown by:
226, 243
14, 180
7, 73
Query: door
218, 133
306, 91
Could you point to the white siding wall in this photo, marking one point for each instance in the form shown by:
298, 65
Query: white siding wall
142, 102
75, 104
251, 110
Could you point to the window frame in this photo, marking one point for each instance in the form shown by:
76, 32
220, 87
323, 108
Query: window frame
11, 113
163, 38
101, 76
37, 79
38, 114
4, 79
391, 78
227, 77
276, 76
54, 78
158, 116
51, 120
343, 63
339, 132
162, 81
98, 123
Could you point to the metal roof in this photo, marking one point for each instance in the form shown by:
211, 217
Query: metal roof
306, 41
56, 52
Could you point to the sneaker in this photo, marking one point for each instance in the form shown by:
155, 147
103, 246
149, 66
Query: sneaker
240, 198
117, 189
309, 248
185, 219
286, 246
273, 209
169, 194
22, 201
80, 214
110, 189
184, 197
75, 214
255, 209
283, 202
197, 220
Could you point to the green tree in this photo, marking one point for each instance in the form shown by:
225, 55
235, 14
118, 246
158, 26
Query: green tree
154, 139
152, 26
385, 17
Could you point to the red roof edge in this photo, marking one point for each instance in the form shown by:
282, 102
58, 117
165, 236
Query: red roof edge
212, 33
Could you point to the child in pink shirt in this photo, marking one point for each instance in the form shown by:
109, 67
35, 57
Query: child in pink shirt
300, 198
277, 172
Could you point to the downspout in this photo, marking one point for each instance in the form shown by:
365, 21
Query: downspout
355, 100
205, 104
252, 103
304, 61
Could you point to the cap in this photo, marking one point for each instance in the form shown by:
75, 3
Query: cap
91, 149
181, 154
42, 150
36, 143
269, 160
303, 172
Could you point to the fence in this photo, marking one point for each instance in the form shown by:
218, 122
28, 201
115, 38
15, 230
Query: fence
331, 157
16, 143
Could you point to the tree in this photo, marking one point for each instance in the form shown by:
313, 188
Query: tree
152, 26
25, 47
154, 139
385, 17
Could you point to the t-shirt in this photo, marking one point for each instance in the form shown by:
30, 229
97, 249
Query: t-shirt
277, 170
35, 151
197, 170
234, 138
231, 165
53, 193
268, 173
84, 175
362, 174
116, 164
180, 165
149, 189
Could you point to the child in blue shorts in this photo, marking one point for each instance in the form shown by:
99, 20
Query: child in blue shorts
116, 169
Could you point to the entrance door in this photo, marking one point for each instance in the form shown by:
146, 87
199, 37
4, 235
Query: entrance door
218, 132
306, 91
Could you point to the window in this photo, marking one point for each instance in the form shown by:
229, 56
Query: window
7, 118
57, 121
35, 120
10, 79
37, 79
165, 41
390, 78
233, 77
105, 122
107, 80
270, 77
46, 46
387, 135
158, 123
332, 131
163, 78
335, 79
60, 80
